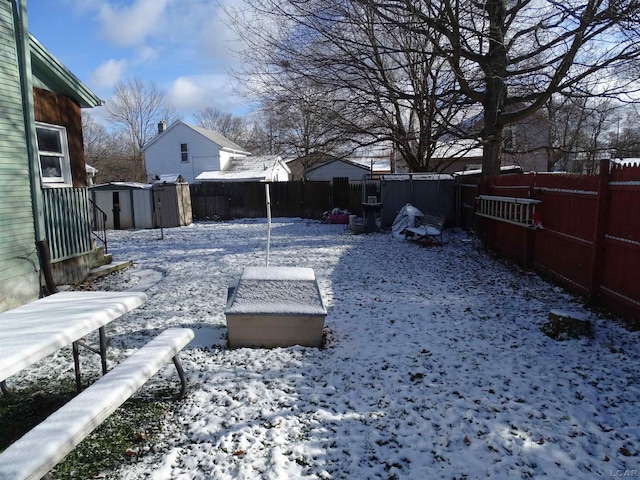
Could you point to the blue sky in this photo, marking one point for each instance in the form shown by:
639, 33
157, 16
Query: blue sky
181, 45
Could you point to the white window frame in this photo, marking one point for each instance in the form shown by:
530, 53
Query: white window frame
63, 156
184, 152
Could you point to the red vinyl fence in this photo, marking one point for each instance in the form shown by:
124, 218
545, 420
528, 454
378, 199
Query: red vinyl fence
590, 237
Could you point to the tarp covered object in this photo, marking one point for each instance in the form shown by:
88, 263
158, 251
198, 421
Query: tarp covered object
408, 216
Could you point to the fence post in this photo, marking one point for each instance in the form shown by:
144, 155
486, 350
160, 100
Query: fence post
600, 230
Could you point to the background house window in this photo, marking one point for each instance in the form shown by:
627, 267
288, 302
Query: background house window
53, 152
184, 152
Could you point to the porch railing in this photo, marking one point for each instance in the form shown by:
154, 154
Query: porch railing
67, 216
99, 224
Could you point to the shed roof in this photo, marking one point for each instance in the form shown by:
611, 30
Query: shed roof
170, 178
121, 186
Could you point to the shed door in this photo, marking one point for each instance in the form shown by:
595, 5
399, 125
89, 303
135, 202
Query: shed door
116, 210
122, 210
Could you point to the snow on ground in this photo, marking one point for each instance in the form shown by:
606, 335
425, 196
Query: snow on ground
435, 366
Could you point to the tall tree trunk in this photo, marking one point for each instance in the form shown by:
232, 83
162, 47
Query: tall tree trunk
496, 90
492, 143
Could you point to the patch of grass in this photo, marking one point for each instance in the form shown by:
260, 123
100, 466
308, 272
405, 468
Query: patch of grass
23, 410
120, 439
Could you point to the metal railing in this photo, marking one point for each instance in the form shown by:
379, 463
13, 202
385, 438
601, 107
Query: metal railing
99, 224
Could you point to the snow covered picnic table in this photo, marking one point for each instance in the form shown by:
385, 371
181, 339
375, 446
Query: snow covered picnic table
33, 331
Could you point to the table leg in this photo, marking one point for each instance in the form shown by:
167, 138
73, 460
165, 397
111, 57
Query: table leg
75, 348
103, 349
183, 378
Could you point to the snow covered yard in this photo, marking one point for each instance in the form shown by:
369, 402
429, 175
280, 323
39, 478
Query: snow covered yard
434, 367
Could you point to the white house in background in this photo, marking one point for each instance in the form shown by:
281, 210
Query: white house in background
354, 171
186, 150
268, 168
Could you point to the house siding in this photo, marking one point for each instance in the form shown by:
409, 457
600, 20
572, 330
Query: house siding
163, 157
331, 170
60, 110
19, 277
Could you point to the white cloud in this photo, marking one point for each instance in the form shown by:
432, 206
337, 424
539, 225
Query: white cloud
107, 74
193, 93
185, 93
130, 25
145, 54
183, 45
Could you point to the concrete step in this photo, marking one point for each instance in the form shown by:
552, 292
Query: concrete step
98, 257
103, 270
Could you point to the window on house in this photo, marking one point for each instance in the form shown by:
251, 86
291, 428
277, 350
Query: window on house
53, 152
184, 152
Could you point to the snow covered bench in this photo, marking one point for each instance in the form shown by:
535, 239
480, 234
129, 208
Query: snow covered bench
431, 226
40, 449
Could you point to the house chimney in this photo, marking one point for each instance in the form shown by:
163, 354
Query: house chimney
162, 126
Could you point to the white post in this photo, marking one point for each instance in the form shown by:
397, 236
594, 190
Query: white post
266, 187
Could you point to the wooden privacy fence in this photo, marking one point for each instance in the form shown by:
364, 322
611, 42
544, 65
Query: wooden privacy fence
589, 240
229, 200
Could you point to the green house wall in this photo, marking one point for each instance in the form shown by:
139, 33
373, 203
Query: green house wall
19, 277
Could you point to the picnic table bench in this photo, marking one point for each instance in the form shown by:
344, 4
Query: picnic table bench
431, 226
31, 332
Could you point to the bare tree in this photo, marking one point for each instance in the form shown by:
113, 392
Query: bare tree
136, 108
355, 79
511, 56
624, 135
96, 139
578, 133
108, 151
231, 126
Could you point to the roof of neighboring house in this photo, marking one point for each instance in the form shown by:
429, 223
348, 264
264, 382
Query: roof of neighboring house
246, 169
220, 139
379, 164
50, 74
223, 142
376, 157
460, 148
340, 160
315, 158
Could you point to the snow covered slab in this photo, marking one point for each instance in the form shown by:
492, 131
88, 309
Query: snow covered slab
275, 307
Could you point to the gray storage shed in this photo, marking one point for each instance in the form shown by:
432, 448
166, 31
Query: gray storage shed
127, 204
